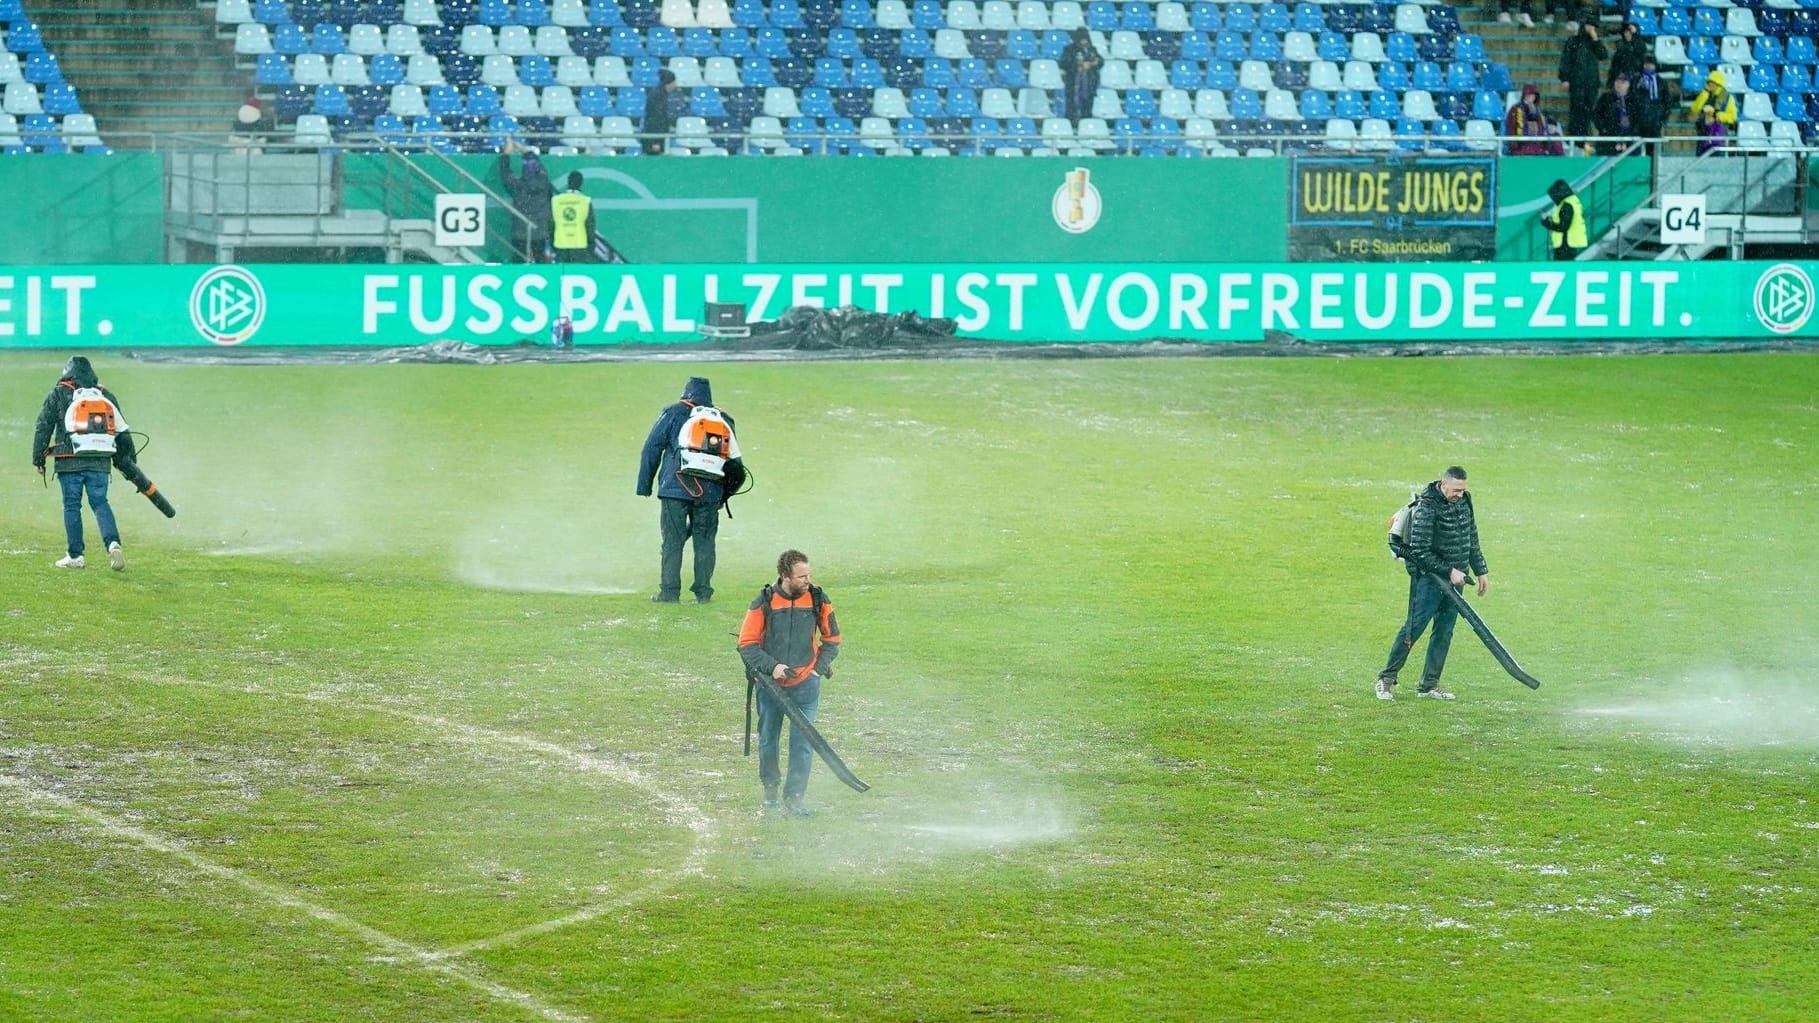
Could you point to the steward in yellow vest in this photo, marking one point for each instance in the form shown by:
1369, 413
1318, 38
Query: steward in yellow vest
572, 223
1566, 229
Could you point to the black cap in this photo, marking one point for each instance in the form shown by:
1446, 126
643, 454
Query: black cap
574, 180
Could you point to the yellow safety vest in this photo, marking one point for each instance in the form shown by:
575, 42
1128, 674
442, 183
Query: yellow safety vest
1576, 234
570, 212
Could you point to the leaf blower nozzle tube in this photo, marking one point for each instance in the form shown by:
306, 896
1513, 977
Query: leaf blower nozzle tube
136, 476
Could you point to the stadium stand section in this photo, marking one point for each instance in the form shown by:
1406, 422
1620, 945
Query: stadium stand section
935, 77
40, 111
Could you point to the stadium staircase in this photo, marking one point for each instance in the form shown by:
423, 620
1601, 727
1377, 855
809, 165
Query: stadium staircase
153, 67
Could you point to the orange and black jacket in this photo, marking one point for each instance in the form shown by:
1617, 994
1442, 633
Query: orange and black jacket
801, 633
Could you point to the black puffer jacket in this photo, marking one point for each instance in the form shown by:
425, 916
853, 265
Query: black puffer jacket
1443, 535
50, 438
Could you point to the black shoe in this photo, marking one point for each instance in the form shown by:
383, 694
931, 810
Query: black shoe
661, 599
704, 600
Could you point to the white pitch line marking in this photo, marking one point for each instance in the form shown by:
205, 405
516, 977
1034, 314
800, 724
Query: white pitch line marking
691, 816
115, 827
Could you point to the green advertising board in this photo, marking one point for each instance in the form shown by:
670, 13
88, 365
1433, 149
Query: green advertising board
407, 305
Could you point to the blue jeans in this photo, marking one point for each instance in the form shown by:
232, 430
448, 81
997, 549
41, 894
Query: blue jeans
696, 522
807, 696
1426, 603
73, 484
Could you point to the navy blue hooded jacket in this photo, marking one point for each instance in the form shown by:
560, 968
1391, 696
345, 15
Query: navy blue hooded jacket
662, 455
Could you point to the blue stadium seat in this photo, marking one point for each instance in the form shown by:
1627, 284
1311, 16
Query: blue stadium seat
1349, 105
1102, 16
1316, 105
293, 100
328, 40
1010, 74
483, 101
786, 14
1434, 47
1245, 105
436, 40
1275, 17
1384, 104
662, 41
331, 101
1162, 46
1309, 18
644, 71
1187, 74
1194, 46
868, 74
494, 13
805, 43
391, 129
630, 102
985, 44
1767, 50
1288, 74
1496, 77
928, 15
369, 101
857, 14
1708, 22
816, 101
1796, 79
706, 101
1702, 50
386, 69
852, 103
1334, 47
1222, 75
1054, 42
1461, 77
270, 12
641, 13
843, 43
747, 14
289, 40
1265, 46
1800, 50
1676, 22
820, 15
1204, 17
1023, 44
1469, 48
60, 99
1789, 106
925, 102
901, 72
1240, 18
962, 103
842, 136
1137, 17
973, 73
1393, 76
1400, 47
878, 43
458, 14
1488, 105
594, 101
460, 70
830, 73
1762, 78
272, 69
1646, 25
536, 71
309, 13
1231, 46
532, 13
1140, 103
938, 73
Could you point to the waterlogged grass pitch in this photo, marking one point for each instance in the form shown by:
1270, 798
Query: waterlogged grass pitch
382, 725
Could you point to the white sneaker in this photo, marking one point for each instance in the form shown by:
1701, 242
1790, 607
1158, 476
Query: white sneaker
1504, 17
1435, 693
75, 562
1525, 20
1386, 690
116, 559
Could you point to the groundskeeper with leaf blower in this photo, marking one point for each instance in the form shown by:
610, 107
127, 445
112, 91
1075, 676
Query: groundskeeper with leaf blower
1436, 537
788, 642
81, 430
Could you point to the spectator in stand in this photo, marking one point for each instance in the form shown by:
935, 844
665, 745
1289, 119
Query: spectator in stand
1528, 129
660, 114
1579, 70
1654, 98
1080, 64
1714, 113
531, 190
1618, 117
1627, 54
